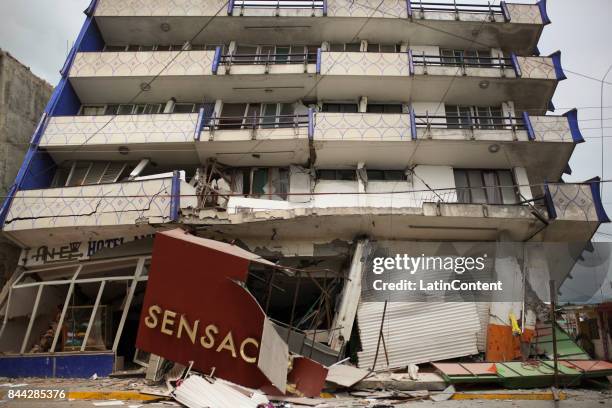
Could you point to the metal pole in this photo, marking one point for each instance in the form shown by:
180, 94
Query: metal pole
92, 318
128, 302
60, 322
32, 318
553, 321
295, 298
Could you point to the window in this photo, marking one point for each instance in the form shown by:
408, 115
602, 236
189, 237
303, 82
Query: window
386, 175
264, 115
186, 107
270, 183
345, 175
466, 117
384, 108
470, 57
128, 109
93, 110
82, 173
485, 187
383, 48
351, 47
340, 107
114, 48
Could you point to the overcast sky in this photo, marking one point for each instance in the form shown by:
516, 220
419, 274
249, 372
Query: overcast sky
38, 33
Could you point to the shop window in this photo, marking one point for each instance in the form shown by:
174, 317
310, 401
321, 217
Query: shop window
485, 187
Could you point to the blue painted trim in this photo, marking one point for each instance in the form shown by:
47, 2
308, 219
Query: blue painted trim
556, 58
542, 6
410, 62
319, 60
216, 60
91, 9
199, 125
175, 200
505, 11
551, 106
599, 208
528, 126
413, 127
311, 124
409, 8
325, 8
515, 65
536, 51
567, 169
230, 7
57, 365
89, 39
550, 206
572, 119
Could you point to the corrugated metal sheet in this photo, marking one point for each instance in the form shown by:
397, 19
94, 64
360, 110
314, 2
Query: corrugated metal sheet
417, 332
483, 309
197, 392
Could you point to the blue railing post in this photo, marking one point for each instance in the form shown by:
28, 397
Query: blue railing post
319, 57
413, 127
410, 62
543, 12
311, 124
325, 8
556, 59
505, 11
409, 8
596, 192
199, 125
528, 126
175, 199
216, 60
550, 205
515, 65
230, 7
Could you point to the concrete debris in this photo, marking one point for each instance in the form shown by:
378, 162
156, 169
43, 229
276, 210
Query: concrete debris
108, 403
345, 375
197, 392
444, 395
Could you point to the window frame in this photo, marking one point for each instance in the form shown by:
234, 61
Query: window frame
499, 186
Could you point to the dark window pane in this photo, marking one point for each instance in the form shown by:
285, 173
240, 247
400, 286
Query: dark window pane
373, 47
326, 174
506, 182
232, 115
346, 175
395, 175
111, 109
353, 47
374, 175
184, 108
476, 187
492, 187
376, 108
461, 183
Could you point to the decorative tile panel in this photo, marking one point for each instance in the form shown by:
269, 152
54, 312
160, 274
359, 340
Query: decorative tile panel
96, 130
130, 64
551, 129
365, 63
524, 13
96, 205
537, 67
364, 8
362, 126
573, 202
158, 7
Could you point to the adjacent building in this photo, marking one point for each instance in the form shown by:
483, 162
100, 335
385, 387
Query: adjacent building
313, 133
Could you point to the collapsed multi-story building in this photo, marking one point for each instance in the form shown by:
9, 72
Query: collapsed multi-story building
306, 132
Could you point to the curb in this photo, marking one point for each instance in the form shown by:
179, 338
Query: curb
516, 396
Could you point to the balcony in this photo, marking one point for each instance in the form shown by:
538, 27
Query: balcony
395, 211
104, 210
271, 139
515, 26
542, 144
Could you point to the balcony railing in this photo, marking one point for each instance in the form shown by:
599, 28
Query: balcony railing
279, 4
268, 59
470, 122
463, 62
258, 122
454, 7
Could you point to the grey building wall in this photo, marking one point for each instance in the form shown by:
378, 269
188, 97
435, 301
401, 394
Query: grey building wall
23, 97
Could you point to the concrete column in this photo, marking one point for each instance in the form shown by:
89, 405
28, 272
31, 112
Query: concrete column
325, 46
404, 46
520, 176
169, 108
232, 47
364, 46
363, 104
347, 308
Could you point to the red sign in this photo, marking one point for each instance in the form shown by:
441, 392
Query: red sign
195, 310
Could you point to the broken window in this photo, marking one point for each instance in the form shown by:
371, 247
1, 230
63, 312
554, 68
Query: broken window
485, 187
92, 306
270, 183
